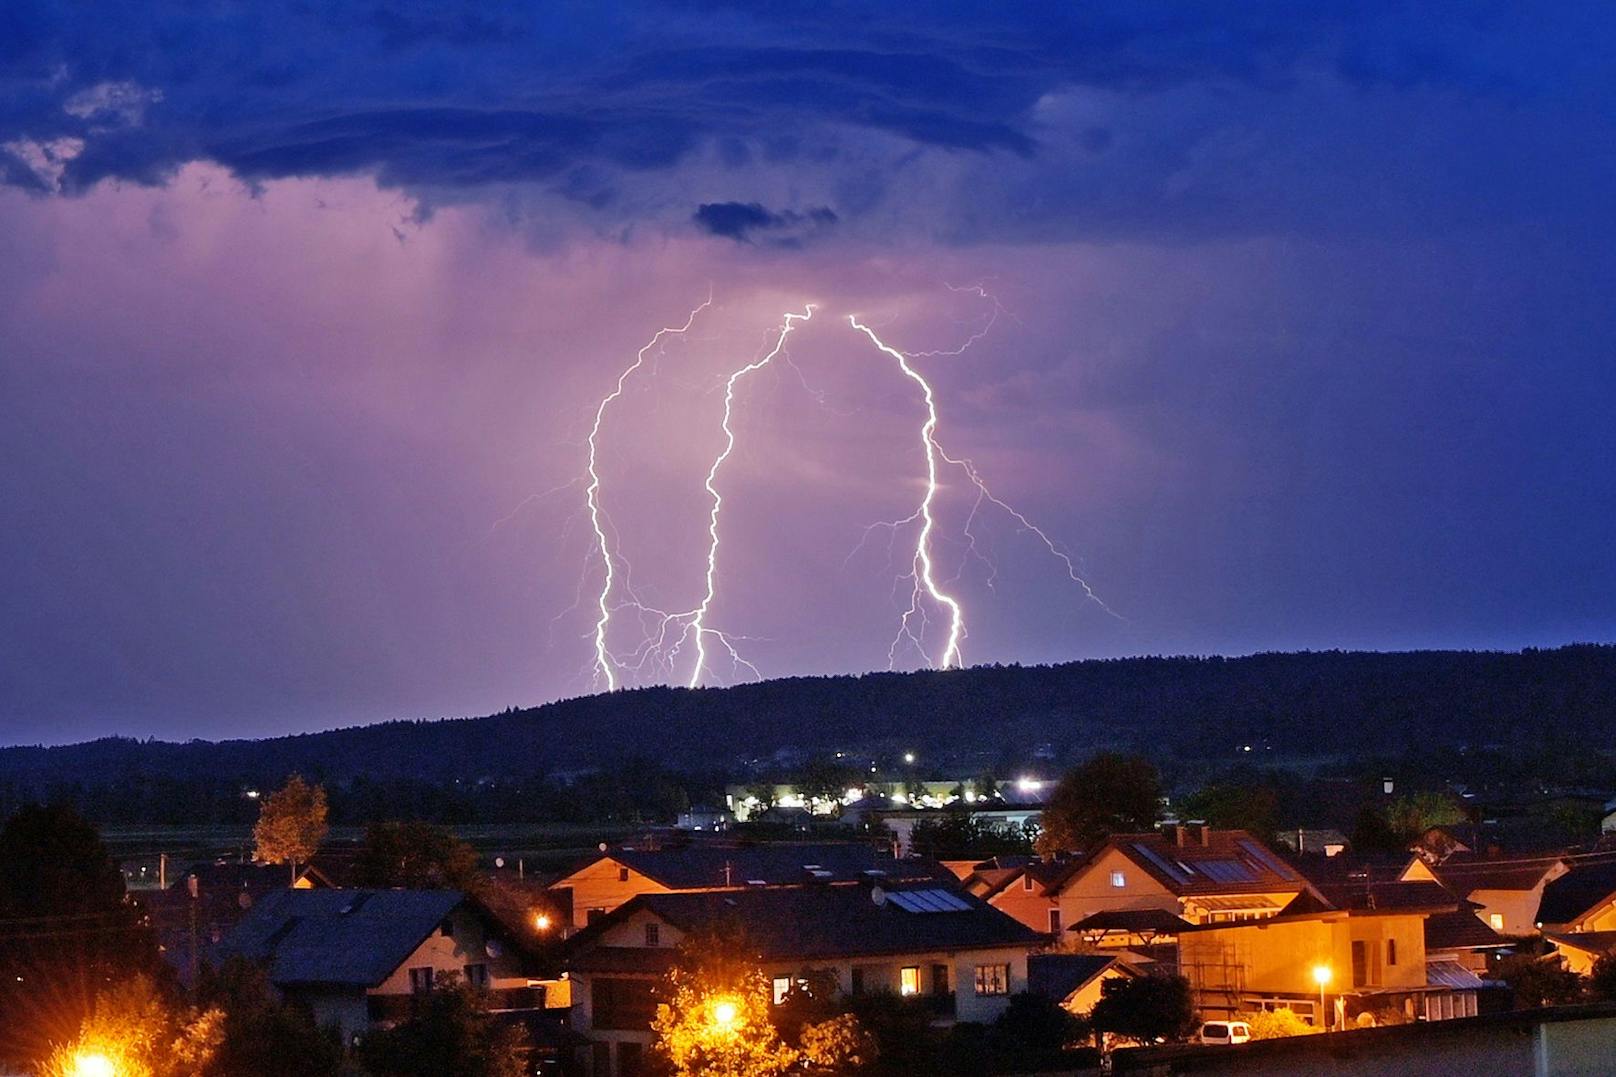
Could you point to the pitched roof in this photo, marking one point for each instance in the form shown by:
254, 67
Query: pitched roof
823, 921
1453, 975
1057, 976
1577, 893
1225, 862
1460, 929
1464, 876
1594, 942
353, 938
1389, 894
1131, 921
991, 879
703, 866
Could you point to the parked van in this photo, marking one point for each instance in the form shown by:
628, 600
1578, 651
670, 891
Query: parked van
1225, 1032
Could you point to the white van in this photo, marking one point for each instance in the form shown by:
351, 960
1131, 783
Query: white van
1225, 1032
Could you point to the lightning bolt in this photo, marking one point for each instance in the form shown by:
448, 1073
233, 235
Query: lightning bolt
698, 629
605, 666
923, 575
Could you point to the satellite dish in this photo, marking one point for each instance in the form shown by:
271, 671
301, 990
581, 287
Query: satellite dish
878, 895
499, 861
493, 949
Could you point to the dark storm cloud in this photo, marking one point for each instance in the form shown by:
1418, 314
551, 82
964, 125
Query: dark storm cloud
740, 220
448, 101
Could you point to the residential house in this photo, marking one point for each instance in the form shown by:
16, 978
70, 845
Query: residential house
1075, 980
916, 938
1204, 876
1372, 960
1507, 892
705, 817
1021, 887
1578, 912
355, 958
617, 875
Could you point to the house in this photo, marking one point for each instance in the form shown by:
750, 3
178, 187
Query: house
1371, 960
1508, 892
355, 958
1074, 980
1021, 887
1210, 876
1305, 841
1580, 899
910, 938
616, 875
1134, 929
705, 817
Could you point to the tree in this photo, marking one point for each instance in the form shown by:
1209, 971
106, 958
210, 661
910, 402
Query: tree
1236, 806
264, 1037
1410, 816
416, 856
451, 1035
1602, 978
1111, 793
715, 1019
1035, 1033
1539, 981
133, 1032
838, 1045
291, 824
67, 929
1145, 1008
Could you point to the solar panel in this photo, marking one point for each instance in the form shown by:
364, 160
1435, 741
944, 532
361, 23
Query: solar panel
1172, 870
1267, 859
1228, 871
927, 901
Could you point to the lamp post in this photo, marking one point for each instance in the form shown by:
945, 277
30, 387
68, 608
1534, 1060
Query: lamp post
93, 1064
1321, 976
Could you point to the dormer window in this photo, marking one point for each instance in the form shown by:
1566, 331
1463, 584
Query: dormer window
622, 875
1118, 880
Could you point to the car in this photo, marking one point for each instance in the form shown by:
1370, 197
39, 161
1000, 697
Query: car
1225, 1032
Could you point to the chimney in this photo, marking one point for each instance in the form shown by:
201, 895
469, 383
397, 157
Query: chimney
1206, 836
1178, 835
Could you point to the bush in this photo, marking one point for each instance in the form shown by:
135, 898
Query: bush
1275, 1024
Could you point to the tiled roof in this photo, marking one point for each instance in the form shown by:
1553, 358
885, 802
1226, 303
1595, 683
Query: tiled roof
1593, 942
1226, 862
1465, 876
702, 866
1389, 894
824, 921
1576, 893
1460, 929
1056, 976
338, 937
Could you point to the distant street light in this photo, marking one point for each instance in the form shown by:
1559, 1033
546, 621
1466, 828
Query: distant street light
1321, 976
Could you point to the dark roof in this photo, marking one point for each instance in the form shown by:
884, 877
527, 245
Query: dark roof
1574, 894
351, 938
1209, 862
1389, 894
1132, 921
234, 876
1594, 942
1056, 976
1460, 929
1465, 875
995, 877
702, 866
1349, 866
823, 921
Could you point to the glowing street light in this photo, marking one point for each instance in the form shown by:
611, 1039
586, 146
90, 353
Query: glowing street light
542, 922
725, 1015
93, 1064
1321, 976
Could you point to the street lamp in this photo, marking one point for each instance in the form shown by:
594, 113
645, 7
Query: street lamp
93, 1064
1321, 976
725, 1014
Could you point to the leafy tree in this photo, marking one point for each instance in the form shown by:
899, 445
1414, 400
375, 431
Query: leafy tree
1274, 1024
137, 1034
67, 929
416, 856
1111, 793
1035, 1033
1602, 978
1230, 805
451, 1035
826, 780
1410, 816
838, 1045
264, 1037
902, 1027
291, 824
958, 834
1539, 981
1372, 834
715, 1019
1145, 1008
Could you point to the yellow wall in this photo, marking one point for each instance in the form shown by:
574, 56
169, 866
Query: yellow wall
598, 887
1279, 957
1090, 890
469, 946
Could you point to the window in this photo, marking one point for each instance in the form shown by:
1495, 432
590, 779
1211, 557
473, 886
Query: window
1497, 921
477, 976
622, 875
1118, 880
653, 934
622, 1004
782, 988
630, 1059
1391, 951
1360, 963
1026, 882
909, 980
421, 980
1054, 921
993, 979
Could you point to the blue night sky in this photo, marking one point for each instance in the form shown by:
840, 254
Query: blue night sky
1290, 324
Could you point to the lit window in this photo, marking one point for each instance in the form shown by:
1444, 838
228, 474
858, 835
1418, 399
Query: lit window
1497, 921
993, 979
653, 934
782, 988
1118, 880
909, 980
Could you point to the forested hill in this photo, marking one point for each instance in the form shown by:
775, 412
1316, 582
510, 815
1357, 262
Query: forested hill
1296, 704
